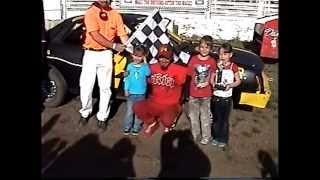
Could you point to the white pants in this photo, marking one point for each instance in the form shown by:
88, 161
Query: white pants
96, 63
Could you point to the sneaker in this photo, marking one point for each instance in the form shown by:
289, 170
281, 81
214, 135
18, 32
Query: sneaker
151, 128
135, 133
196, 138
126, 132
166, 130
174, 124
204, 141
102, 125
215, 142
83, 120
222, 145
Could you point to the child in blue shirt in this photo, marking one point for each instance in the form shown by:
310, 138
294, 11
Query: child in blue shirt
135, 87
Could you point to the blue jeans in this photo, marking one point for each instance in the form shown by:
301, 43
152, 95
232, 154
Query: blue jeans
222, 109
131, 121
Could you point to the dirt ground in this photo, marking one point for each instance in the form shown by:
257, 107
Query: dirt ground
69, 150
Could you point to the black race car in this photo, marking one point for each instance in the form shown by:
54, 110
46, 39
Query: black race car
64, 59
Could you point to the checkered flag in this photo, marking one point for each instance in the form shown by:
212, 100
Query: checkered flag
152, 33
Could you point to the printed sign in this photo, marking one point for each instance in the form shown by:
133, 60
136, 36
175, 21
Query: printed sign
165, 3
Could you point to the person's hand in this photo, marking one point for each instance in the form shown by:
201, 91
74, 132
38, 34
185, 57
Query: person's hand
126, 93
202, 85
212, 85
205, 84
199, 85
228, 87
126, 73
119, 47
196, 48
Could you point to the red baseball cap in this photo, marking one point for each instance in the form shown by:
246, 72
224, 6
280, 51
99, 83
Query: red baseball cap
165, 51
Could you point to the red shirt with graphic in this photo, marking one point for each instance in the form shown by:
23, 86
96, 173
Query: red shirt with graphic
200, 72
166, 85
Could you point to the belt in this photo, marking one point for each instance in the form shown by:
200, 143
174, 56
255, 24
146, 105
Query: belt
222, 98
91, 49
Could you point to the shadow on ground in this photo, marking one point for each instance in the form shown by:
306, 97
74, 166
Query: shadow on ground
181, 157
88, 158
269, 168
49, 125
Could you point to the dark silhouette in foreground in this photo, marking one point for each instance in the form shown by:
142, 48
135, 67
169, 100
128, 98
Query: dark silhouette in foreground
181, 157
89, 158
269, 168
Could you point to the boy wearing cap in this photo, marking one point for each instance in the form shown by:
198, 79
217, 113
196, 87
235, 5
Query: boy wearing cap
165, 83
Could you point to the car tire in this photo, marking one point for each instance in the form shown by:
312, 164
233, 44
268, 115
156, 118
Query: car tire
57, 88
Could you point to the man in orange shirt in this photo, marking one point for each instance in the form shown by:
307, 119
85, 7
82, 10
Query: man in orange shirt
102, 24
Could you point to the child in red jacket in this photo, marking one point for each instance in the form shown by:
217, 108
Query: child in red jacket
165, 83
